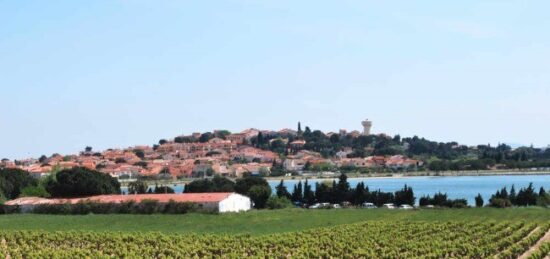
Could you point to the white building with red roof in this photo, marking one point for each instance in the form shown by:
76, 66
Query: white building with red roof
216, 201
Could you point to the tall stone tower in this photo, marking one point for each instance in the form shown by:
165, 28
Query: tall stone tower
367, 124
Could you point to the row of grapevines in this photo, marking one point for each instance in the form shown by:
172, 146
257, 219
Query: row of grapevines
542, 252
376, 239
523, 245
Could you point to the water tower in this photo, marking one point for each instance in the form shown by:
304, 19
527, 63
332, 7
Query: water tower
367, 124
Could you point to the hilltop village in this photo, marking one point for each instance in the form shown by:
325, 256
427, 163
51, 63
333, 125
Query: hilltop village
252, 151
286, 152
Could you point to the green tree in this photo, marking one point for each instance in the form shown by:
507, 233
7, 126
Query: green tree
404, 196
479, 200
139, 153
297, 194
341, 192
527, 196
309, 195
163, 189
222, 184
137, 187
359, 194
222, 134
257, 188
205, 137
259, 194
42, 159
12, 181
217, 184
512, 196
81, 182
281, 190
323, 192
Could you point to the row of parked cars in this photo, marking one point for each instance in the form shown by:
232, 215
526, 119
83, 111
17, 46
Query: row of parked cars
369, 205
366, 205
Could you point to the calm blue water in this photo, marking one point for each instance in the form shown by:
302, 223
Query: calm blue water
455, 186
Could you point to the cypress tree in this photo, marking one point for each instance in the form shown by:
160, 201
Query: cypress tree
513, 195
282, 191
359, 194
309, 195
342, 188
479, 200
297, 194
542, 192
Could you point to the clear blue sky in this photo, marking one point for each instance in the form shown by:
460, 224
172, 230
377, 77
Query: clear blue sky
120, 73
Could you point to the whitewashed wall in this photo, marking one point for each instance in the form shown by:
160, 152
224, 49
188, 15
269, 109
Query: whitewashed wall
235, 203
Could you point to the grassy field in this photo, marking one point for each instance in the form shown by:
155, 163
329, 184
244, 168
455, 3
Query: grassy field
257, 222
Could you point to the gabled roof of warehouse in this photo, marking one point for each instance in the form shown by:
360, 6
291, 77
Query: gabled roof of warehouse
163, 198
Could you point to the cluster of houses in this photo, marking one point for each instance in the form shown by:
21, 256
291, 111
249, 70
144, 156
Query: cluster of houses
231, 156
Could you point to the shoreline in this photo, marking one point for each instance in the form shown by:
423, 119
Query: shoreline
415, 174
371, 175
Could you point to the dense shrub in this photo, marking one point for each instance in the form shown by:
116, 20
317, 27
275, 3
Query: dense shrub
35, 191
8, 209
148, 207
275, 202
499, 203
173, 207
441, 200
163, 189
458, 203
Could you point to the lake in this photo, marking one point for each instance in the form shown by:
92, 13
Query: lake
455, 186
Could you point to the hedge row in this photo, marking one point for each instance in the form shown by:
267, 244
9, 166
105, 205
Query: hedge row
131, 207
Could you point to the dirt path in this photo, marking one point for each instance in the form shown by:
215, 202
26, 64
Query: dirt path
545, 238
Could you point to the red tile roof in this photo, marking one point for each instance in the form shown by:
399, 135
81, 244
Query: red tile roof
163, 198
180, 197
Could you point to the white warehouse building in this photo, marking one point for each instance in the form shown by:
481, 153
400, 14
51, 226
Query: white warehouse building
216, 201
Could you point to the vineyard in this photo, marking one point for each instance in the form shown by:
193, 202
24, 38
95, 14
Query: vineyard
374, 239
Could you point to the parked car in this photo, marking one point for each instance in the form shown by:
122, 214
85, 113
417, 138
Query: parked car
315, 206
406, 207
336, 206
388, 206
369, 205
